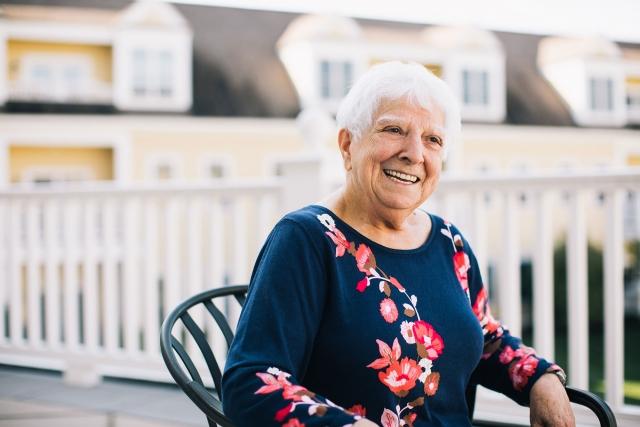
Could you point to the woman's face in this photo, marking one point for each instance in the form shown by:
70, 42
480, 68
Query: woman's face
396, 163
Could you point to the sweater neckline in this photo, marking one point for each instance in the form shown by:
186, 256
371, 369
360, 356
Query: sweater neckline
372, 243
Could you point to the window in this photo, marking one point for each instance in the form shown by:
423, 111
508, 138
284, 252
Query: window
56, 77
335, 78
475, 87
601, 94
152, 73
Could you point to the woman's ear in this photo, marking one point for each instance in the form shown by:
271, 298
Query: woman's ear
344, 144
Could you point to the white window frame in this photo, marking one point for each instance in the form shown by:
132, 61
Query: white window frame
493, 64
475, 87
55, 88
336, 77
224, 161
601, 93
171, 159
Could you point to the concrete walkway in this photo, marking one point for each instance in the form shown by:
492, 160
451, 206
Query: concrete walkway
36, 398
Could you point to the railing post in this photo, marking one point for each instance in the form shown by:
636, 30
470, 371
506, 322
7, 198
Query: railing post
614, 299
509, 284
543, 320
577, 293
301, 179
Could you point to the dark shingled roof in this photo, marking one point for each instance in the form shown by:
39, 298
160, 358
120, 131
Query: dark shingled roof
237, 71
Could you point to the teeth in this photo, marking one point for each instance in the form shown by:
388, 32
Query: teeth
401, 176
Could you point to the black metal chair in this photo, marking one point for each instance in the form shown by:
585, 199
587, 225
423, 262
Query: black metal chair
187, 376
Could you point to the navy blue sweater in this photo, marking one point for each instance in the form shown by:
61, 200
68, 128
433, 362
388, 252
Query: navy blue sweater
338, 327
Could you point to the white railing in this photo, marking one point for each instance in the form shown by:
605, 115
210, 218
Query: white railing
88, 273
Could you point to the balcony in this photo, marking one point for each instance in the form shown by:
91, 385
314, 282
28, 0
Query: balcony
89, 271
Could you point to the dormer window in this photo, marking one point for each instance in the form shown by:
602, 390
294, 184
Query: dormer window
601, 93
152, 73
335, 78
475, 87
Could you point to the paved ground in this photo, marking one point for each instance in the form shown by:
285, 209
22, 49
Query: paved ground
36, 398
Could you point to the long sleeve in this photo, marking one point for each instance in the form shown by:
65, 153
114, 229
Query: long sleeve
506, 365
275, 338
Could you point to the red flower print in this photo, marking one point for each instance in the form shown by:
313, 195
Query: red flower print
409, 419
461, 266
522, 370
388, 354
507, 355
362, 285
365, 259
338, 238
358, 410
401, 376
293, 422
478, 306
294, 392
424, 333
282, 413
389, 310
397, 284
431, 383
389, 419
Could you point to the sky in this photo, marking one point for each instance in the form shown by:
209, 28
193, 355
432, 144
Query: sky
617, 20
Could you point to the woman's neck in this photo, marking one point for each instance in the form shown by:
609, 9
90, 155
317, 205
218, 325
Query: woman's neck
394, 228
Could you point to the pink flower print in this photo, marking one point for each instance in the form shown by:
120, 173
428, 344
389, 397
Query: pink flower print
388, 354
522, 370
365, 259
362, 285
340, 240
294, 392
401, 376
461, 265
426, 335
507, 355
293, 422
389, 310
272, 383
406, 329
431, 383
389, 419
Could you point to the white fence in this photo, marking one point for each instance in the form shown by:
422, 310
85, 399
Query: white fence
88, 273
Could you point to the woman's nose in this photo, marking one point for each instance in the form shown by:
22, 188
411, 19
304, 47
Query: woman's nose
412, 149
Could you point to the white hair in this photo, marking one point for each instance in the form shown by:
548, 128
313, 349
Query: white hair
391, 81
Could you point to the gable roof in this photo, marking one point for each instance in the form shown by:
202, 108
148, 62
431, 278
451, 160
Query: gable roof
236, 70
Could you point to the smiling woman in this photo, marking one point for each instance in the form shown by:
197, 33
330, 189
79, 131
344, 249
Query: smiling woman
402, 352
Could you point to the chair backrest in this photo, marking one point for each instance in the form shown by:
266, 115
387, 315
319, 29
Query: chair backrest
180, 363
186, 374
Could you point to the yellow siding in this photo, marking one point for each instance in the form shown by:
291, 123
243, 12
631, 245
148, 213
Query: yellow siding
98, 160
538, 156
248, 152
101, 56
633, 160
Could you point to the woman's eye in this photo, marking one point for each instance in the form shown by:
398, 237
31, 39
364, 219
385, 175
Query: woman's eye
435, 139
394, 129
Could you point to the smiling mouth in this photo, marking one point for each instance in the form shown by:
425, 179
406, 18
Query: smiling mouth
401, 177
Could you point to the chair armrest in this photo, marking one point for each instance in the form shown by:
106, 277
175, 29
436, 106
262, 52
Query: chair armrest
593, 402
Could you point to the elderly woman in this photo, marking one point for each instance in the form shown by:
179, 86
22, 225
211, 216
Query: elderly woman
366, 310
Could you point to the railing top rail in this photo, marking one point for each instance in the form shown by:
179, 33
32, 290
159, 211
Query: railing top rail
106, 188
627, 177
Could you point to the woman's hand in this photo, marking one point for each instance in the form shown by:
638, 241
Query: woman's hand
549, 404
365, 423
